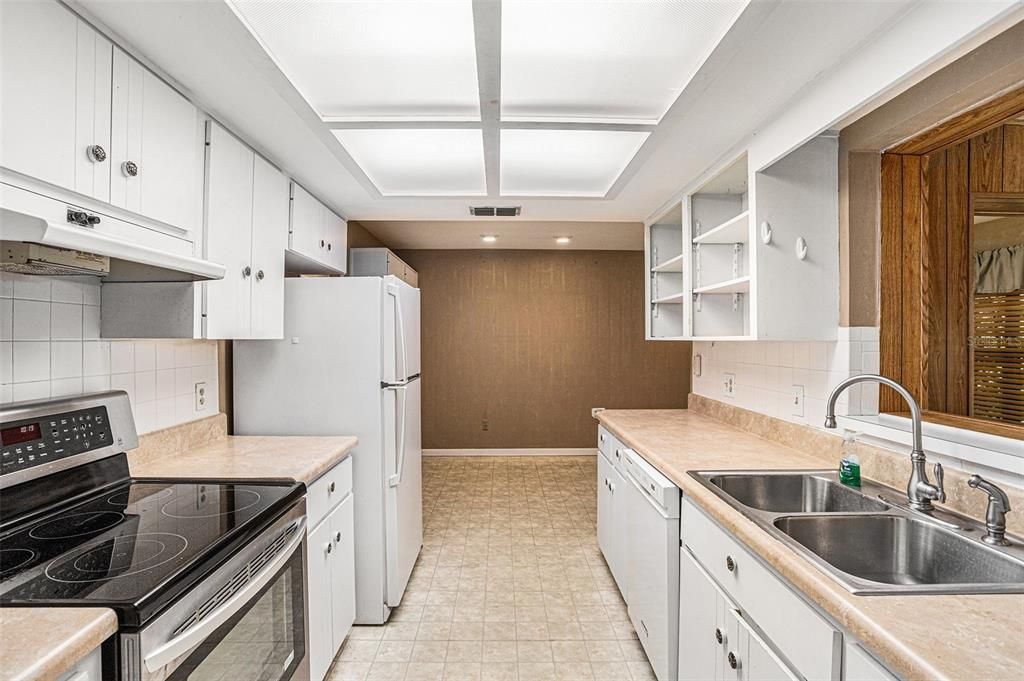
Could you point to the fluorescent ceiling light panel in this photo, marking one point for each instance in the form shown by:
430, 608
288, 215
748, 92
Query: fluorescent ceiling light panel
419, 162
565, 162
366, 60
607, 61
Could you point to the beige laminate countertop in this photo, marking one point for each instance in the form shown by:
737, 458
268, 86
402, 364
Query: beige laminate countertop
42, 643
962, 638
257, 457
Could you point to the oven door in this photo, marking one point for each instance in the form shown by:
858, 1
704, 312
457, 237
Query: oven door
246, 621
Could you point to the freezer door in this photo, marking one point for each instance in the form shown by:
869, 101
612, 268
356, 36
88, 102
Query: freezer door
401, 331
403, 485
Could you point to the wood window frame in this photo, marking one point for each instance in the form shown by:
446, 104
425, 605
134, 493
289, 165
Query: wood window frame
926, 308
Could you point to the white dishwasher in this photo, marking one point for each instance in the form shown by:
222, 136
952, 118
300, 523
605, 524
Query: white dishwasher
652, 502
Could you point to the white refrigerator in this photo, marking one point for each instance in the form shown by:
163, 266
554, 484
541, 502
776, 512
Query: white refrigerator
349, 364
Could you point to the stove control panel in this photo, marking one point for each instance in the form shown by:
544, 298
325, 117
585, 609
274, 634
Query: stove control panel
37, 441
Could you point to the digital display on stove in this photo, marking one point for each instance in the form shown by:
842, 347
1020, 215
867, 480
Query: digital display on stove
22, 433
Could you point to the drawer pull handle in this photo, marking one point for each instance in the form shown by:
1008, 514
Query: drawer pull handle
330, 489
330, 547
730, 564
733, 662
718, 635
601, 437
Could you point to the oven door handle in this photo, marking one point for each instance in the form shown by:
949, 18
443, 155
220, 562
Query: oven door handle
196, 634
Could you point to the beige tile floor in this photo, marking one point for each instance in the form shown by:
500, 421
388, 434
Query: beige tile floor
510, 584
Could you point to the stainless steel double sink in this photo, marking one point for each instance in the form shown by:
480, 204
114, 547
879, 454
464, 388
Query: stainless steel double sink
866, 539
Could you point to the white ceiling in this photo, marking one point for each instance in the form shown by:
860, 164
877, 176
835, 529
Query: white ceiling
514, 234
769, 56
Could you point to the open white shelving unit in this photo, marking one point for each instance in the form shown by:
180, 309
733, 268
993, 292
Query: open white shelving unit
750, 254
666, 262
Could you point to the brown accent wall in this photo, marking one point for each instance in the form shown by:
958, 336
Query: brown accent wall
360, 237
518, 346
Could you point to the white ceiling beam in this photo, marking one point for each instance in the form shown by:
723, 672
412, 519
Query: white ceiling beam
487, 29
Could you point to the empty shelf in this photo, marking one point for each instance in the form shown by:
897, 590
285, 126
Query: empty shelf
675, 298
737, 285
732, 231
673, 265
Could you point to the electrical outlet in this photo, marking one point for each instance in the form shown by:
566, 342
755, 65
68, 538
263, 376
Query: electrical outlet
201, 396
697, 361
729, 384
798, 400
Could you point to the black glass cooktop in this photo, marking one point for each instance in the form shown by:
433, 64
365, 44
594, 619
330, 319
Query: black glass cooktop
133, 545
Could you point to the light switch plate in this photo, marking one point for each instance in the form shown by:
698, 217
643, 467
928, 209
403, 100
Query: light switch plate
798, 400
729, 384
697, 361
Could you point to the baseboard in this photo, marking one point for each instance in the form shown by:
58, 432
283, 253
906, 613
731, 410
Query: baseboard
566, 451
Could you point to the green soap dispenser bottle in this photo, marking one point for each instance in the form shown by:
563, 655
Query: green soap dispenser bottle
849, 466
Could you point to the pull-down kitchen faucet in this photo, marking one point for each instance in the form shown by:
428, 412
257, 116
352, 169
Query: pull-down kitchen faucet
920, 492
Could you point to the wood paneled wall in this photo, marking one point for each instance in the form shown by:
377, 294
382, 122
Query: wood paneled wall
518, 346
926, 284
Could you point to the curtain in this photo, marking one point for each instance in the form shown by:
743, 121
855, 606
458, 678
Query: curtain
1000, 270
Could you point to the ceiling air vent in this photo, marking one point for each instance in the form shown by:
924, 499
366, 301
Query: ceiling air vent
495, 212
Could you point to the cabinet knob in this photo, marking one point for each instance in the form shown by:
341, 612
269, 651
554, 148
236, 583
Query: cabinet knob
97, 154
733, 662
330, 488
337, 537
246, 271
730, 564
601, 437
322, 243
718, 635
129, 168
330, 547
259, 275
328, 245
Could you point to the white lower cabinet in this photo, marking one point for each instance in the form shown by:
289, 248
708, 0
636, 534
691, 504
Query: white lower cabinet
89, 668
330, 555
859, 666
611, 511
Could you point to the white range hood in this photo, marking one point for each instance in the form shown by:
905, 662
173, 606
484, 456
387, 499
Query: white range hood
99, 244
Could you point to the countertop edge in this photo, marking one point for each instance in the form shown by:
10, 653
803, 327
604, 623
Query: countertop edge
815, 585
78, 644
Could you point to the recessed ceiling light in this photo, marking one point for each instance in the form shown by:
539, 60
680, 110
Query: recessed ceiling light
489, 238
563, 239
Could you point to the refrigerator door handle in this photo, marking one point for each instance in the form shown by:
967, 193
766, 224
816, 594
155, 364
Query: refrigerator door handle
394, 291
396, 479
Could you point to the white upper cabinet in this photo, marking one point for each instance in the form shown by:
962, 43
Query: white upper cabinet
318, 238
229, 214
731, 259
269, 241
55, 98
156, 147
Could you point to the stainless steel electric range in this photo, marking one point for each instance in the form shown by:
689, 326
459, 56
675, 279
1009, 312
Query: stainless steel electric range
207, 577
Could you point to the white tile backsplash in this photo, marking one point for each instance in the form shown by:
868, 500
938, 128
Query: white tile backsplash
50, 347
766, 373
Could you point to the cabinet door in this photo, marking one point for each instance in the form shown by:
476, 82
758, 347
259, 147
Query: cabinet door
619, 535
269, 241
604, 508
343, 572
308, 225
54, 96
156, 148
320, 555
754, 658
337, 242
701, 656
228, 234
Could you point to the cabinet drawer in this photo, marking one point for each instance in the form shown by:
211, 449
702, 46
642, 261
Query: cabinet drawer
606, 443
327, 491
862, 667
809, 642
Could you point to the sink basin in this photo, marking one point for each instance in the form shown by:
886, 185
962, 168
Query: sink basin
898, 550
870, 545
794, 493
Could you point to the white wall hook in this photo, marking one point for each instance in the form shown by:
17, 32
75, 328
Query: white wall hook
766, 233
801, 248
